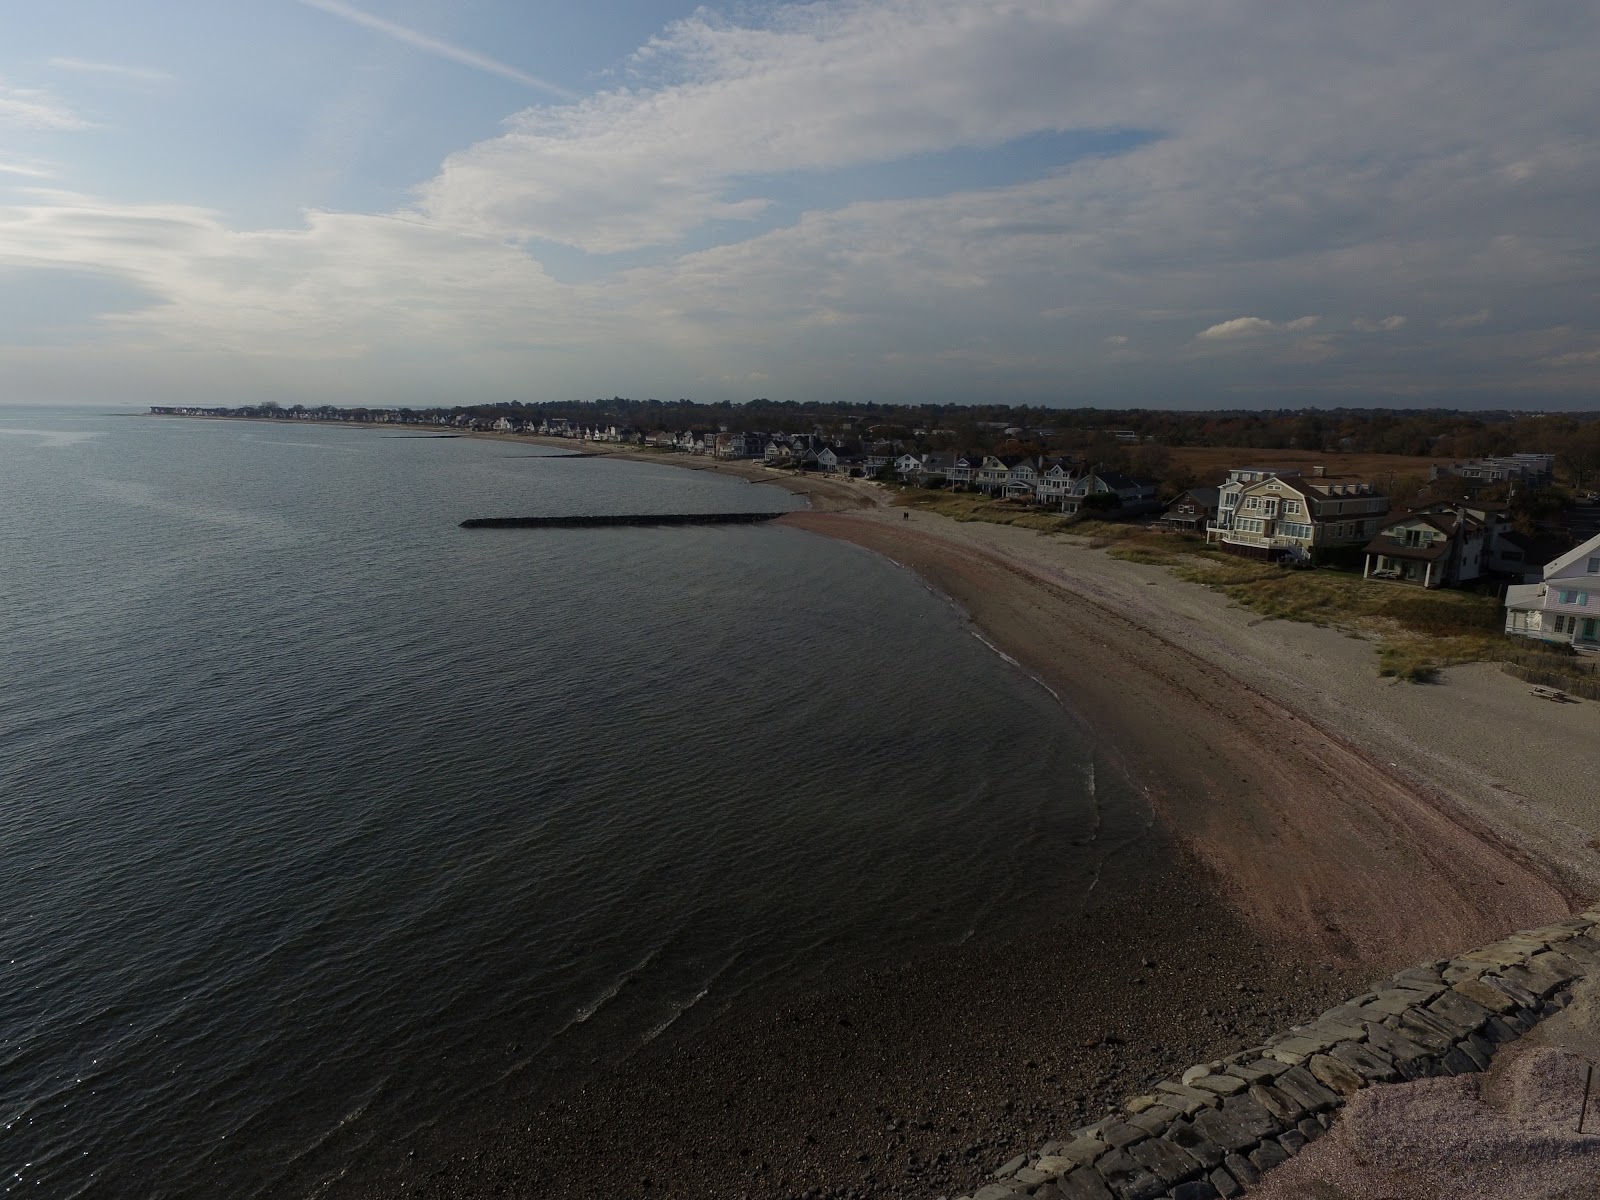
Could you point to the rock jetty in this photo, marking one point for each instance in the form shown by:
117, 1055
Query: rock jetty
1213, 1131
588, 522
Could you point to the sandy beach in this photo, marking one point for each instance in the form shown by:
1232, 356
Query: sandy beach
1314, 826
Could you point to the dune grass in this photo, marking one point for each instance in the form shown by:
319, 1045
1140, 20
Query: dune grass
1417, 632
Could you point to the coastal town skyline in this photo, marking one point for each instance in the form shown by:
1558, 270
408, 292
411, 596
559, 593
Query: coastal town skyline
412, 203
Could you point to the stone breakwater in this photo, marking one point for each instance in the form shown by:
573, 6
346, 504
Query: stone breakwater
1214, 1131
619, 520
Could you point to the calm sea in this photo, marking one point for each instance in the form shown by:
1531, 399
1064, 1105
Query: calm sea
320, 815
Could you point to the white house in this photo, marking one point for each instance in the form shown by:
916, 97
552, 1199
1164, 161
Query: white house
1055, 484
907, 465
1565, 605
964, 469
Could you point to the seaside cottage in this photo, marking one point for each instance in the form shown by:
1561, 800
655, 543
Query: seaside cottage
1429, 549
1565, 605
1022, 481
964, 470
1130, 492
1055, 483
1190, 512
996, 471
935, 467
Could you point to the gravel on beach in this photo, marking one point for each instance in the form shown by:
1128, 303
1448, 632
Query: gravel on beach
911, 1082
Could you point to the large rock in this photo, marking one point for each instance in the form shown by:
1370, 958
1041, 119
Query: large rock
1334, 1074
1166, 1160
1240, 1122
1129, 1178
1084, 1184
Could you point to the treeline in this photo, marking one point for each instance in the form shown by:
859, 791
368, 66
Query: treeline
1444, 433
1440, 432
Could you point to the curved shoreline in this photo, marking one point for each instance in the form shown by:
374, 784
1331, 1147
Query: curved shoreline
1305, 833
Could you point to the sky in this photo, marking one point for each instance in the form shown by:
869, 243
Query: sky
1119, 203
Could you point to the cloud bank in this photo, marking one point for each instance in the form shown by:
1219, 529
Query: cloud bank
1342, 160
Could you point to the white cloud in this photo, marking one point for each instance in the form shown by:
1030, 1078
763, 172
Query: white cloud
1117, 339
1465, 320
431, 45
1253, 327
1237, 328
127, 74
1382, 325
31, 110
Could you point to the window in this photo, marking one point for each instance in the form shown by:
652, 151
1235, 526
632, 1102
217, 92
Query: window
1594, 566
1562, 623
1292, 507
1579, 598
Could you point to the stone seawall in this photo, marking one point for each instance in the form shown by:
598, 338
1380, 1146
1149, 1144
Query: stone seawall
1212, 1132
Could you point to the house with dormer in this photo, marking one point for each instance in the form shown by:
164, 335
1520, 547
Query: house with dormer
1431, 549
1266, 513
1190, 512
1054, 482
964, 469
1564, 606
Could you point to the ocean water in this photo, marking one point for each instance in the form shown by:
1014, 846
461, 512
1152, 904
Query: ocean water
320, 816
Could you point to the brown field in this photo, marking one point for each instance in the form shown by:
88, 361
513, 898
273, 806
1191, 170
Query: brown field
1210, 462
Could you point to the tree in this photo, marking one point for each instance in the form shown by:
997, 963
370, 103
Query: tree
1580, 456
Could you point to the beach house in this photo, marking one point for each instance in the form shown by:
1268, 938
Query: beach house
1564, 606
1268, 513
1128, 490
1190, 512
1429, 549
964, 469
1055, 482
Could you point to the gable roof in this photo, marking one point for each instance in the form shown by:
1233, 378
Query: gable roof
1583, 550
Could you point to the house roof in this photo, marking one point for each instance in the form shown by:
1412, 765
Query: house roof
1117, 481
1208, 496
1389, 548
1582, 550
1524, 595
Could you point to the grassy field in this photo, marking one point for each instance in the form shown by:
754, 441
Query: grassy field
1416, 631
1211, 463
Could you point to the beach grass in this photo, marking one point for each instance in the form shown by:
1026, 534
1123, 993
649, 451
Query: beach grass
1417, 632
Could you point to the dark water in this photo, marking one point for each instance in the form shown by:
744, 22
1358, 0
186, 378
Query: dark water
320, 816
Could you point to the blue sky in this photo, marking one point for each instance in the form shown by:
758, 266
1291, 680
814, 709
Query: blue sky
1074, 202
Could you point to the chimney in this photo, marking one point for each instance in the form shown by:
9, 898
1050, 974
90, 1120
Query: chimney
1319, 471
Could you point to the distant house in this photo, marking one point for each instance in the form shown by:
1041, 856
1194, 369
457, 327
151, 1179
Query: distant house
1129, 491
828, 460
935, 466
996, 471
1190, 512
1054, 483
964, 469
1536, 470
1022, 480
1430, 549
908, 465
1565, 605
